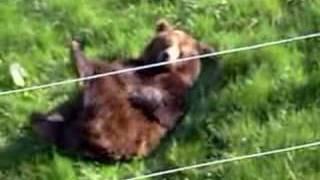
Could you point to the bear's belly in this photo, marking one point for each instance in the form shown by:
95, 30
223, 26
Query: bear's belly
115, 129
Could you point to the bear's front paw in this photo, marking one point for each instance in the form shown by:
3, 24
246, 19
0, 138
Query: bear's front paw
148, 98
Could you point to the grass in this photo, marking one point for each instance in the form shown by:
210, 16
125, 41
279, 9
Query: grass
264, 99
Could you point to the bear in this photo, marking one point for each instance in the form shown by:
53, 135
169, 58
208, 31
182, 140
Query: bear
125, 115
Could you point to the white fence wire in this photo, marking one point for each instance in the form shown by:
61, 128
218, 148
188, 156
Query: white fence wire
228, 160
246, 48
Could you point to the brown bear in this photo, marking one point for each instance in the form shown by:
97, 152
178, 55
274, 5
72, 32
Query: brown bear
125, 115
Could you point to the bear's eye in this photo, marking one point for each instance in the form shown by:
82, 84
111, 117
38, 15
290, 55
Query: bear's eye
180, 55
163, 56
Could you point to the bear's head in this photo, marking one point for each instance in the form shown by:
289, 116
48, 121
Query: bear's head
169, 44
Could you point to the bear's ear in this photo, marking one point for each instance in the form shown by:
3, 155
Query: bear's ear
163, 25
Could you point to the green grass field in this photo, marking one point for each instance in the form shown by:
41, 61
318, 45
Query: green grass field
264, 99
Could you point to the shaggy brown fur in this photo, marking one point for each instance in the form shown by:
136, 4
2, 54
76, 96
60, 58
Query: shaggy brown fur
125, 115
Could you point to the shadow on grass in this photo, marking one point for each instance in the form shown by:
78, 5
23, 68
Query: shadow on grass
20, 149
308, 93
